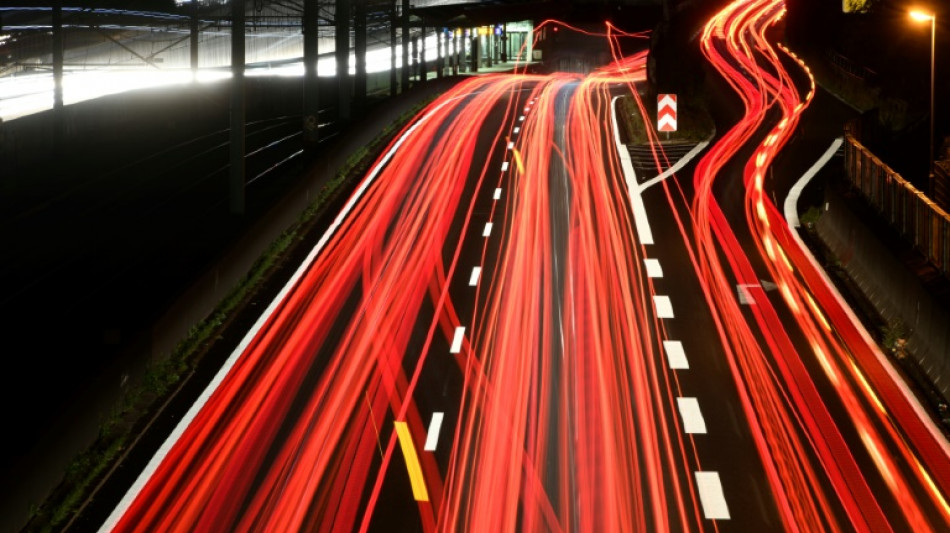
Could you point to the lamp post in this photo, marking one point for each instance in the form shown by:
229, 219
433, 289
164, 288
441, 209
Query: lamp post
922, 16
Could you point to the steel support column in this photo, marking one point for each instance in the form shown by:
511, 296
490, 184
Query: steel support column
311, 88
58, 54
59, 121
423, 75
440, 48
236, 180
393, 23
456, 53
193, 48
342, 53
405, 45
359, 25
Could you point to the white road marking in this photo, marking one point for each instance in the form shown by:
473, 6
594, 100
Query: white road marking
675, 355
745, 297
791, 201
511, 144
119, 511
497, 195
680, 163
473, 280
457, 340
504, 167
654, 270
711, 496
664, 308
521, 118
633, 191
487, 231
432, 438
693, 421
516, 130
912, 397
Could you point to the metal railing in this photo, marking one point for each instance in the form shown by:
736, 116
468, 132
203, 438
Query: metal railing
914, 215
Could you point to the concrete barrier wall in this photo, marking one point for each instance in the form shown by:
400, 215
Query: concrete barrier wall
896, 291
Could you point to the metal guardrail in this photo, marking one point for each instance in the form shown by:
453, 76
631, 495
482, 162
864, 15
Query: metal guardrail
914, 215
940, 188
849, 67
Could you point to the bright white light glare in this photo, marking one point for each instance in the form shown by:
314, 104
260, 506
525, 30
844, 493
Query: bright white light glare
26, 94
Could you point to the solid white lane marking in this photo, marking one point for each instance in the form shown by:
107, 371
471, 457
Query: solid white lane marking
711, 496
654, 270
675, 355
664, 308
791, 201
487, 231
693, 421
680, 163
476, 272
504, 167
457, 340
432, 438
633, 190
497, 195
911, 396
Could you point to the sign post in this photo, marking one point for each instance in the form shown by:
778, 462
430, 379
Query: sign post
666, 112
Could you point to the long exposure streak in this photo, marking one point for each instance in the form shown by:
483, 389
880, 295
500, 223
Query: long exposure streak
494, 274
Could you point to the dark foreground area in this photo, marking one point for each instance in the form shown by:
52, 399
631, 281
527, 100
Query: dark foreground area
107, 241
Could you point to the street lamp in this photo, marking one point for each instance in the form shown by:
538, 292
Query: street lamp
923, 16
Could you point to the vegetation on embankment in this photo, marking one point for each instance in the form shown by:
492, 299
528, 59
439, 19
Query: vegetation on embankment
148, 400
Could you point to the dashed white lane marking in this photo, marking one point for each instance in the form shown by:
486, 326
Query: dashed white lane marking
473, 280
511, 144
711, 496
432, 438
457, 340
664, 308
487, 231
516, 130
693, 421
196, 407
654, 270
675, 355
497, 195
745, 296
521, 118
504, 167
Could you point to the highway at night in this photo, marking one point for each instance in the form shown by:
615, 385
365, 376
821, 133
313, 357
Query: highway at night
506, 329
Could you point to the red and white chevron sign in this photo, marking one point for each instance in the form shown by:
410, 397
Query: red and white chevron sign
666, 112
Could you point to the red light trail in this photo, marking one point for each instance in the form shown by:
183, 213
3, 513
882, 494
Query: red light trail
569, 415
